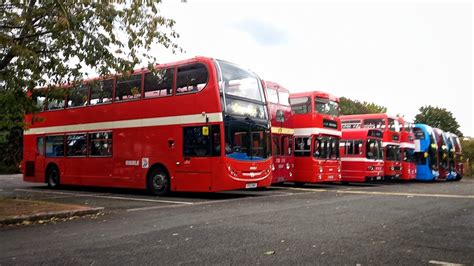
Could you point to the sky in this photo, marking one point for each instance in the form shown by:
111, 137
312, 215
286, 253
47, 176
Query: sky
399, 54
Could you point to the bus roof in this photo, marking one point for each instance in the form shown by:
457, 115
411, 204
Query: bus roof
315, 94
367, 116
276, 86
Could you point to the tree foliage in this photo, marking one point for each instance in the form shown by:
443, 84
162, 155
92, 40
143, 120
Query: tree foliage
56, 42
352, 107
438, 117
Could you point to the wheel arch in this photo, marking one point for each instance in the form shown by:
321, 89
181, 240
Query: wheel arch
49, 166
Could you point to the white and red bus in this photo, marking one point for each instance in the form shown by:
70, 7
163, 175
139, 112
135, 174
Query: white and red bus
457, 156
391, 138
195, 125
282, 131
361, 155
316, 137
407, 149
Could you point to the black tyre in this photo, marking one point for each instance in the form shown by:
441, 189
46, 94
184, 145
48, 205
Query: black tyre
158, 182
458, 178
52, 177
299, 184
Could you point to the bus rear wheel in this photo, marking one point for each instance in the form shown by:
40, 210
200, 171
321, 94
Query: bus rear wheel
158, 182
52, 177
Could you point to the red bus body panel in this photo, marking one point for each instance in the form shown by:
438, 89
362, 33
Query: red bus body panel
150, 128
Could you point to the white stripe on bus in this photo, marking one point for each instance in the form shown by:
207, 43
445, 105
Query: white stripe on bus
132, 123
384, 144
315, 130
348, 159
407, 145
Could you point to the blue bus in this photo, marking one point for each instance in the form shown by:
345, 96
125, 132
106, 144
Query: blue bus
426, 153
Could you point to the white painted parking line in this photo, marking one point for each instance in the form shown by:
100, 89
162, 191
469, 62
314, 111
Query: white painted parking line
406, 194
106, 197
153, 208
6, 178
307, 189
444, 263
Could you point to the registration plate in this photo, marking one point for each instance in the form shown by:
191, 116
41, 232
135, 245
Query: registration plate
330, 177
251, 185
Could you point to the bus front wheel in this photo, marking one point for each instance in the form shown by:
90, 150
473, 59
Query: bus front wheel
52, 176
158, 182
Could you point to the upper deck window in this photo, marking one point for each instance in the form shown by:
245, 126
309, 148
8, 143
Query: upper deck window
272, 95
56, 99
240, 82
350, 124
374, 123
128, 88
408, 127
301, 105
326, 106
284, 98
102, 91
393, 125
419, 133
191, 78
78, 96
159, 83
39, 97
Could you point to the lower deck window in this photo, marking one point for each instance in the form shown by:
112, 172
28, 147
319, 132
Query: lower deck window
100, 144
54, 146
302, 146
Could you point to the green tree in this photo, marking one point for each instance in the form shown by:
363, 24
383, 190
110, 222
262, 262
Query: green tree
438, 117
468, 154
352, 107
52, 42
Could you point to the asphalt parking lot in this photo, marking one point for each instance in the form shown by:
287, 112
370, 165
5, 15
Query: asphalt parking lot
383, 223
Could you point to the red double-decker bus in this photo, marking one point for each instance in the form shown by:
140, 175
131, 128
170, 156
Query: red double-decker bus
282, 131
407, 149
391, 138
194, 125
361, 155
316, 137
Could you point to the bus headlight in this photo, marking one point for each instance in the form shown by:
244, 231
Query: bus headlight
320, 170
392, 168
287, 166
370, 168
273, 167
